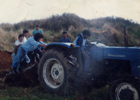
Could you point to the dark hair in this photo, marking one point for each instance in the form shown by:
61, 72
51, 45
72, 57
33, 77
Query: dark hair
64, 33
25, 31
86, 32
37, 36
37, 26
20, 35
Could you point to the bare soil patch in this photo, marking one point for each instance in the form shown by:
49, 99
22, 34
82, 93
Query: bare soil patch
25, 79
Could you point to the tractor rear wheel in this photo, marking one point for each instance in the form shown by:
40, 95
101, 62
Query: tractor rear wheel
54, 71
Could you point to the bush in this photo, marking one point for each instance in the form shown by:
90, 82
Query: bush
55, 25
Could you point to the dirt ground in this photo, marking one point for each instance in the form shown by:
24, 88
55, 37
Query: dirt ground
25, 79
5, 60
29, 81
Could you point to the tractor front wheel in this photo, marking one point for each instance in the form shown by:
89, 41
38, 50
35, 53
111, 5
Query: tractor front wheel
125, 89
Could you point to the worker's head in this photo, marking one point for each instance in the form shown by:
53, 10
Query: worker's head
37, 27
25, 33
38, 36
86, 34
20, 37
64, 34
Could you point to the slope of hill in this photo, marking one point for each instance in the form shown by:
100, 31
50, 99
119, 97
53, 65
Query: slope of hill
108, 30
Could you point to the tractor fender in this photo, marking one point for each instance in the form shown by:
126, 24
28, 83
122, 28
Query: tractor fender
135, 66
59, 45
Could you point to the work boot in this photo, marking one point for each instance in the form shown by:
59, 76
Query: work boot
13, 70
27, 65
20, 70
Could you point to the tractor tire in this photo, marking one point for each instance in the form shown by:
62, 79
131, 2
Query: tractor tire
54, 72
125, 89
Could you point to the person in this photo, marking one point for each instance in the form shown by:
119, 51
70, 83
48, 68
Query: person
25, 33
30, 45
37, 30
37, 52
65, 39
81, 40
17, 44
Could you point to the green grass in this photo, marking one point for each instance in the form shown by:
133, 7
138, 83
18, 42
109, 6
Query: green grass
37, 93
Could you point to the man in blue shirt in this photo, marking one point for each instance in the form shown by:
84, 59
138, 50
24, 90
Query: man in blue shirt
37, 53
81, 40
37, 30
30, 45
37, 50
65, 39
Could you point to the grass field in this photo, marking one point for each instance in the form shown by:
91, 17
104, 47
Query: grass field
107, 30
37, 93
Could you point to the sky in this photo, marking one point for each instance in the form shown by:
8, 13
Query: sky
14, 11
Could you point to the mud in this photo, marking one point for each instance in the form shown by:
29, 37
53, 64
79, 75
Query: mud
5, 60
25, 79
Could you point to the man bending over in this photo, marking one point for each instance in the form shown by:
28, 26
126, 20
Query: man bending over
31, 44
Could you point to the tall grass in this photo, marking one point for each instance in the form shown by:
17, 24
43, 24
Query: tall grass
55, 25
7, 39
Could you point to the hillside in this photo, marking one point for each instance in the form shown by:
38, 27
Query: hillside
108, 30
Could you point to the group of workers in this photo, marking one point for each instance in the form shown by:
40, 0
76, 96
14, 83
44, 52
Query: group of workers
24, 47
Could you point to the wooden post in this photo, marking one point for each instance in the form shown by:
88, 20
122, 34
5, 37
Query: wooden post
125, 37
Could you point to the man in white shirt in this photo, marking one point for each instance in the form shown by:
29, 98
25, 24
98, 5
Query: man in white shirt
25, 33
17, 44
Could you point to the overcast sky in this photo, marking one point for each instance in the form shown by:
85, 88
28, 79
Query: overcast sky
13, 11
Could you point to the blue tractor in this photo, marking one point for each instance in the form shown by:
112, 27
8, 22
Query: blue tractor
61, 69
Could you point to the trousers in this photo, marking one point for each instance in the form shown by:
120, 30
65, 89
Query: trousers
86, 60
20, 56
